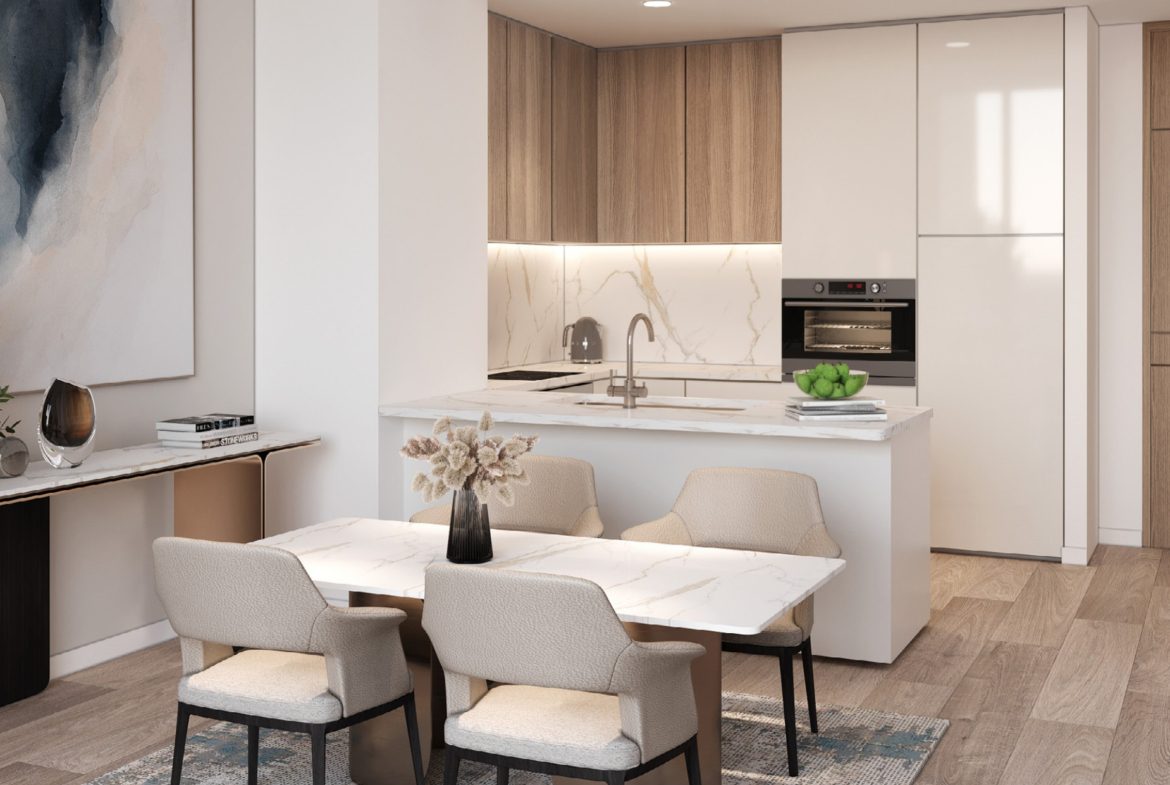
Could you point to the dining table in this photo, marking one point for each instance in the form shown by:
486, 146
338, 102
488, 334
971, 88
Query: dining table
661, 592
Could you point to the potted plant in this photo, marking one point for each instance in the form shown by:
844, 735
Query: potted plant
13, 451
475, 466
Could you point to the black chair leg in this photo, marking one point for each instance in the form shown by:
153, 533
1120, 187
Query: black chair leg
450, 767
317, 734
692, 755
253, 752
789, 692
412, 734
501, 775
180, 744
807, 663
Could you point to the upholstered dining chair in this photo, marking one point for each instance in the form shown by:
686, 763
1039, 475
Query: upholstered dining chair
756, 510
542, 676
262, 648
560, 499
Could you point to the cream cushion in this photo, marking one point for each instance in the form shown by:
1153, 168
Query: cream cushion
276, 684
567, 727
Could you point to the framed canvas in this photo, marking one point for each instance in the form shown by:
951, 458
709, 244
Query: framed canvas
96, 191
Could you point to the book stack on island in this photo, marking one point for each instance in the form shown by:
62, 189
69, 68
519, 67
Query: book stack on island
207, 430
840, 410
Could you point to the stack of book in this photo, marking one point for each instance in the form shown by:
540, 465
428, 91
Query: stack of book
839, 410
207, 430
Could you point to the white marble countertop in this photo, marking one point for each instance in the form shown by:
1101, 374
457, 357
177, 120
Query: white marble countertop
597, 371
714, 589
755, 418
137, 461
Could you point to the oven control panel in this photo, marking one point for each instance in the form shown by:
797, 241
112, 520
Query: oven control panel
849, 288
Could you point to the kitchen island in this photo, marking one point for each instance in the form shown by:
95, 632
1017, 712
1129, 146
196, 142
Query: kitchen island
874, 481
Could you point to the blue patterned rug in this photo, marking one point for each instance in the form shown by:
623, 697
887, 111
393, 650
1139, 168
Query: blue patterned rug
854, 747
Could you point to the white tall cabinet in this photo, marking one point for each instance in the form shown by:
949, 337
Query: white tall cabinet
991, 279
848, 153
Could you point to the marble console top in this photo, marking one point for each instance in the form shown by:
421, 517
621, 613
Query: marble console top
137, 461
753, 418
583, 372
713, 589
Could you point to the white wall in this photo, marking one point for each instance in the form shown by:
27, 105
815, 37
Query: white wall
1120, 287
317, 251
371, 224
102, 581
1080, 285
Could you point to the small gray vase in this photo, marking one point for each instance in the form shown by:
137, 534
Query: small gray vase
13, 456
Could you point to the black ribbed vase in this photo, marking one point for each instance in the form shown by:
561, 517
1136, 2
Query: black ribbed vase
469, 538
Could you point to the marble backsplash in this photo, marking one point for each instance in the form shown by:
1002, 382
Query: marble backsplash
709, 303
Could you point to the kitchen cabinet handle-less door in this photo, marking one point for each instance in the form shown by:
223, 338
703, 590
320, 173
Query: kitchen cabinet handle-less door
574, 144
497, 128
990, 364
529, 134
641, 133
991, 126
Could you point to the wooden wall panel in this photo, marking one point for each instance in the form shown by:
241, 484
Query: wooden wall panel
529, 133
574, 142
733, 142
1159, 230
641, 153
1159, 457
497, 128
1159, 55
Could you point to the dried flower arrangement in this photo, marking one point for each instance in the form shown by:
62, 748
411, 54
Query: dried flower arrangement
469, 460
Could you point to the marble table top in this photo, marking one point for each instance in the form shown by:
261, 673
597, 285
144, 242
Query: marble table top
713, 589
654, 413
137, 461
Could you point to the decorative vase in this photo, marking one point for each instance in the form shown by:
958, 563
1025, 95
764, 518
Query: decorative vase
13, 456
67, 425
469, 538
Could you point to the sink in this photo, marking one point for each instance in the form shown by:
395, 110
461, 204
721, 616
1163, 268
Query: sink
679, 406
529, 376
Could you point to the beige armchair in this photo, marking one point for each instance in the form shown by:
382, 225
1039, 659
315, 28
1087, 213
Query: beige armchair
757, 510
542, 676
560, 499
261, 647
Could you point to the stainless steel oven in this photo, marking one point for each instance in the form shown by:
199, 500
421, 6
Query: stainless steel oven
869, 324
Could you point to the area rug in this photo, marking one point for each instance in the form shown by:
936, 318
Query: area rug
854, 747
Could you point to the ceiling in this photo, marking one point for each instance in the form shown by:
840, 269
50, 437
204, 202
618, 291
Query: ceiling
604, 23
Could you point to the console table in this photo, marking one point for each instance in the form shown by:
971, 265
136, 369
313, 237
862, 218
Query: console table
219, 495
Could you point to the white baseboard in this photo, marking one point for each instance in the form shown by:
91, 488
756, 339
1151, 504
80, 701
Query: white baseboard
1078, 556
1128, 537
107, 649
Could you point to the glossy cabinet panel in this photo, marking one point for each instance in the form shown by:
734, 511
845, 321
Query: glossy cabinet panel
991, 364
848, 153
991, 126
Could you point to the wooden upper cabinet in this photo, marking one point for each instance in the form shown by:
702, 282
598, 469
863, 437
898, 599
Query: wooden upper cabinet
497, 128
574, 142
641, 100
733, 142
1160, 78
529, 134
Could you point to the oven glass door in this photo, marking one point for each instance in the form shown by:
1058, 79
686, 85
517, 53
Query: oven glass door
860, 333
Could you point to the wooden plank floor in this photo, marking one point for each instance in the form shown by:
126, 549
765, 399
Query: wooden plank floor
1048, 674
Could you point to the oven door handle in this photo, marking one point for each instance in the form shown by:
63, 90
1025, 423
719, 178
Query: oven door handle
831, 304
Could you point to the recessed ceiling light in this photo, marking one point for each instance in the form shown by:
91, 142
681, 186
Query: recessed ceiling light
656, 3
958, 44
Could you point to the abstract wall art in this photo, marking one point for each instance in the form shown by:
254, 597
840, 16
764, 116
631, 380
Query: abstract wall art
96, 191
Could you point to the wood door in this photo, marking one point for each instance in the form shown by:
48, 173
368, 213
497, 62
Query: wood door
1159, 54
733, 142
1159, 229
1159, 457
574, 142
641, 116
497, 128
529, 134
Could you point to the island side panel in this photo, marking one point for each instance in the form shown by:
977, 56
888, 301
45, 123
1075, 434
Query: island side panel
640, 472
910, 496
